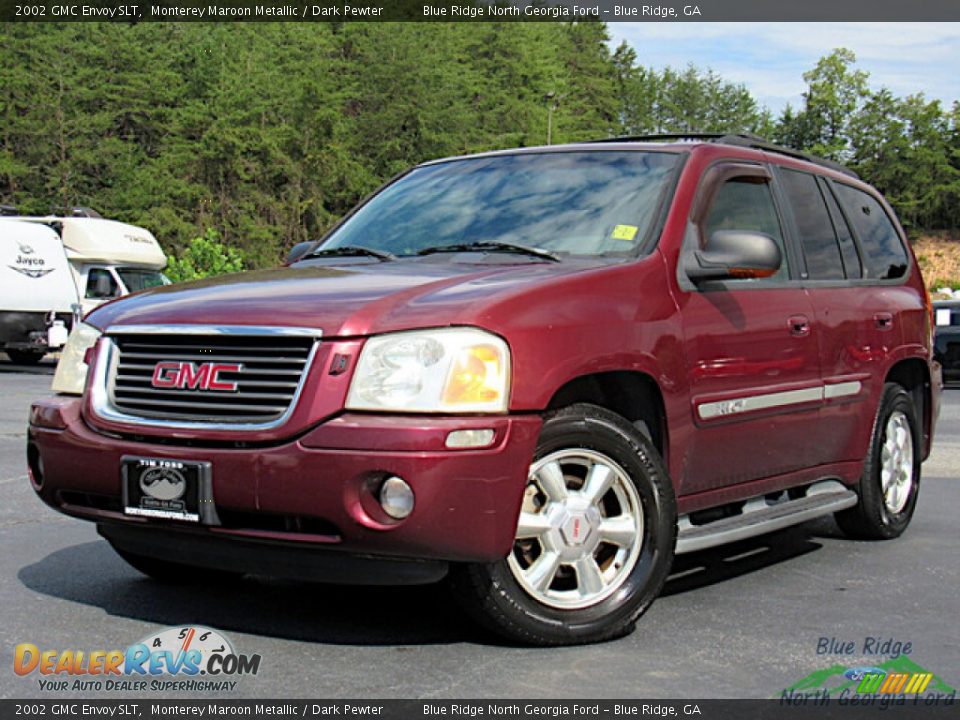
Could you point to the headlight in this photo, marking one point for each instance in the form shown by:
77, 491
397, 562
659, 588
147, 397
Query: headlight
447, 370
71, 372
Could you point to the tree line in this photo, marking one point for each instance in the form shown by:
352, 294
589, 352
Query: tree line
268, 133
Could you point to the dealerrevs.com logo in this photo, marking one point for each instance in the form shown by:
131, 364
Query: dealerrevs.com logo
181, 658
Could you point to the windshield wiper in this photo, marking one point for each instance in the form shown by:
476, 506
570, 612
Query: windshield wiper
494, 246
351, 251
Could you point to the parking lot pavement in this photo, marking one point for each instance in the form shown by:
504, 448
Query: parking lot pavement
743, 621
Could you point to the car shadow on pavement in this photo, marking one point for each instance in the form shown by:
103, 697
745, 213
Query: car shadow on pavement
46, 366
92, 574
708, 567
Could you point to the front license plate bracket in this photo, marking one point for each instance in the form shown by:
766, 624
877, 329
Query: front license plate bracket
183, 489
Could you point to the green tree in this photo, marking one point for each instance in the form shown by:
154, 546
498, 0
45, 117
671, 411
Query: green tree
203, 257
835, 91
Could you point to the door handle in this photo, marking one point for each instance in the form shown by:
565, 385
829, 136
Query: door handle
799, 325
883, 321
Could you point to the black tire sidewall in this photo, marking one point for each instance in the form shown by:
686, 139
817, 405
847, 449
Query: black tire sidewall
610, 435
25, 357
875, 510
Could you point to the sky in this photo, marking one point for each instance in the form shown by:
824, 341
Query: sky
770, 58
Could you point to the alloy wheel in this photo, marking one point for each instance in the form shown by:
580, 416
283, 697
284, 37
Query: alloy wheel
580, 530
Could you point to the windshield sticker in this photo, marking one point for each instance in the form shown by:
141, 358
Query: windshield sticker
624, 232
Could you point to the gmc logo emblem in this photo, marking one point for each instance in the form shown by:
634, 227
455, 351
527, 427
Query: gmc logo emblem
194, 376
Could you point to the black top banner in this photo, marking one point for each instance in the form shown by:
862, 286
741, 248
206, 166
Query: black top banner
477, 11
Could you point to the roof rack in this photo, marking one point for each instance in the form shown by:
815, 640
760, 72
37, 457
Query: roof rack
737, 139
8, 211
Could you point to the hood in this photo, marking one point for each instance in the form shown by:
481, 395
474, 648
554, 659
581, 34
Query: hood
341, 300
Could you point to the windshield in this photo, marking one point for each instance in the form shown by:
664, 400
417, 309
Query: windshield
141, 279
584, 203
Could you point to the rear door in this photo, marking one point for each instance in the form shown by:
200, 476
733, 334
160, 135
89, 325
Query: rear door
752, 353
863, 313
830, 266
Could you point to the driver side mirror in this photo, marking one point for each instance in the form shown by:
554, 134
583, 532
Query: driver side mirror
299, 250
734, 254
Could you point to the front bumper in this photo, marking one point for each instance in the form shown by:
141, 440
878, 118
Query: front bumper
315, 492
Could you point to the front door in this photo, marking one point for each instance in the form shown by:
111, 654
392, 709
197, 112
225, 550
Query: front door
752, 352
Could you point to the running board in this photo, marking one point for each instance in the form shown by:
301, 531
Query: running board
759, 517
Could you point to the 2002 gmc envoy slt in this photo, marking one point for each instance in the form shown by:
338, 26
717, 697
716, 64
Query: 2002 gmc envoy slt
542, 372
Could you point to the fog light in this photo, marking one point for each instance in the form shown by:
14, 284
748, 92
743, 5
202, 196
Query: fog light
396, 497
469, 438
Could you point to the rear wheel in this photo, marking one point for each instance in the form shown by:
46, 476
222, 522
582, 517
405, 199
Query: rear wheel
174, 573
891, 475
594, 539
26, 357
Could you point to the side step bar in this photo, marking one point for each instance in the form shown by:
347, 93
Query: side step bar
759, 517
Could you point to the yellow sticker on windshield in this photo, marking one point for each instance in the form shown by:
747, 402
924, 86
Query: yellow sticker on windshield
624, 232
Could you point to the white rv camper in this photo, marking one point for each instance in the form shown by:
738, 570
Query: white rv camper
38, 297
86, 261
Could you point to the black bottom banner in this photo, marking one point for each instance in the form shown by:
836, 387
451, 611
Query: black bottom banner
878, 706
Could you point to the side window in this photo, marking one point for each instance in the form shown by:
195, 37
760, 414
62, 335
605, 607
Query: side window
884, 255
817, 237
100, 284
746, 204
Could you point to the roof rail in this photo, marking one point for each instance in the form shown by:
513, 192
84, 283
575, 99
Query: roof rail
664, 137
8, 211
738, 140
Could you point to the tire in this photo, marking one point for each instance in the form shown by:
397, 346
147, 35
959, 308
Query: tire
25, 357
174, 573
893, 462
564, 600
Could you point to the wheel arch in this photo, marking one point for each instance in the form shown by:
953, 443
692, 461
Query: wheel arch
913, 375
633, 395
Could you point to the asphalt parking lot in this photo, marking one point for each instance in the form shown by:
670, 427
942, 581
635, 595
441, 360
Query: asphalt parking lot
744, 621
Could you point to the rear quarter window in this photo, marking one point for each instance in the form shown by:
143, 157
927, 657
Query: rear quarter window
884, 255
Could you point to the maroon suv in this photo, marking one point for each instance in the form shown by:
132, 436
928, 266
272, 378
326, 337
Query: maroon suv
542, 372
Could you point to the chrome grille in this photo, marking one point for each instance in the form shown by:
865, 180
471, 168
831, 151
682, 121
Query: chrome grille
272, 369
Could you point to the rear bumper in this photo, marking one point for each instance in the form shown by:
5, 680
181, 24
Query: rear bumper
937, 380
315, 493
27, 330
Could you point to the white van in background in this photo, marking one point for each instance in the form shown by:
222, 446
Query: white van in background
87, 260
38, 298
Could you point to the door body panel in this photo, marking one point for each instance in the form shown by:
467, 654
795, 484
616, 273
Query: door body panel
755, 385
861, 329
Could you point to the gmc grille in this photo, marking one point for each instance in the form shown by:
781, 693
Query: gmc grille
271, 372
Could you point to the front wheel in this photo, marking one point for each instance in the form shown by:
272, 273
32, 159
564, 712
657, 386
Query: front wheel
891, 474
594, 539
